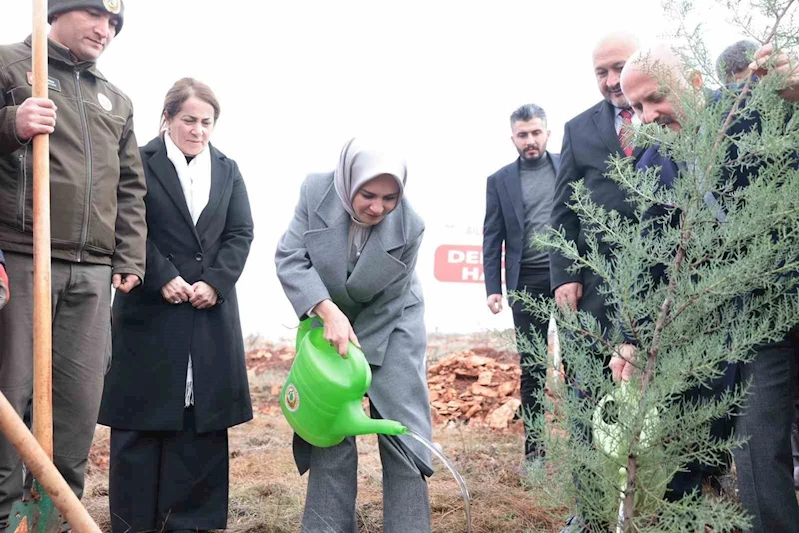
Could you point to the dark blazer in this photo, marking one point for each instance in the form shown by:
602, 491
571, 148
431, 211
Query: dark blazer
685, 482
739, 176
588, 141
504, 223
152, 338
2, 258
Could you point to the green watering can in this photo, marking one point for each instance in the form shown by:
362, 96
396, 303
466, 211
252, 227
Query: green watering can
610, 438
322, 396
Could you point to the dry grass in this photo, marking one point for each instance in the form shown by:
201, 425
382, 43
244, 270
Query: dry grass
267, 494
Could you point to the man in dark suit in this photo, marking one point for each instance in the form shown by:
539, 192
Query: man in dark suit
733, 66
764, 462
518, 205
589, 139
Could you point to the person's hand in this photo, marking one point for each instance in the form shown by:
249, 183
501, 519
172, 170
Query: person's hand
569, 294
495, 303
5, 291
338, 330
34, 117
781, 63
204, 297
177, 291
621, 366
125, 282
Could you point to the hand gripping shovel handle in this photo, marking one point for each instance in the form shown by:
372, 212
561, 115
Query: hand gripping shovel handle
43, 470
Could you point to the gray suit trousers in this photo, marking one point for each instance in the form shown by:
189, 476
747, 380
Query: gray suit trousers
764, 464
81, 300
333, 485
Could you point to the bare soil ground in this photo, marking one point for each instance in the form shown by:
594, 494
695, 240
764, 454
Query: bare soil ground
267, 494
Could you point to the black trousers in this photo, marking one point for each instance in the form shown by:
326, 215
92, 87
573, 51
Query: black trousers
695, 472
536, 283
764, 464
795, 430
168, 480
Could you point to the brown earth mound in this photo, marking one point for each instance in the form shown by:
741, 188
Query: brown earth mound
474, 388
479, 386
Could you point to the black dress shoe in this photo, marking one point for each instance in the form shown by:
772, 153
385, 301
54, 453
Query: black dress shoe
575, 524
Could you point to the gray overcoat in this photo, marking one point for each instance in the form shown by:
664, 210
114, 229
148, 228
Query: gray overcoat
382, 297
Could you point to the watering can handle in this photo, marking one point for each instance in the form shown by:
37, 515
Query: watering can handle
306, 326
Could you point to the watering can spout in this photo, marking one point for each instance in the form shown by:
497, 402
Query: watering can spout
352, 420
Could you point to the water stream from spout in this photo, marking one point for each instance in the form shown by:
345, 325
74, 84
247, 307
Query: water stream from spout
461, 483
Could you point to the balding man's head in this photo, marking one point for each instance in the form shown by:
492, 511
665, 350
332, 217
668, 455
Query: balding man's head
652, 79
610, 55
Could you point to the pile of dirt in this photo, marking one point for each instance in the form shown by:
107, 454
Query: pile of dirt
270, 357
479, 385
472, 388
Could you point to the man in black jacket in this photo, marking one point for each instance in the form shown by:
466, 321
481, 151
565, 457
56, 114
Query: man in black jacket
589, 139
764, 462
518, 205
733, 66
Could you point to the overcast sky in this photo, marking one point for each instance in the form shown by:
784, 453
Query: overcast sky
297, 79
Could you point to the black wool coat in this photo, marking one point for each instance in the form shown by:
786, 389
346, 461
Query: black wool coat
152, 338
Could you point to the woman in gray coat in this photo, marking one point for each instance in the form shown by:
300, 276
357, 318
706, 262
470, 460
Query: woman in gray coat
349, 257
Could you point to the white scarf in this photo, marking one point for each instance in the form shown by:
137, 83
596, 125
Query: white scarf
195, 179
194, 176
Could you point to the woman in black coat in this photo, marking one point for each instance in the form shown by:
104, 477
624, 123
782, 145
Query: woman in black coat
178, 378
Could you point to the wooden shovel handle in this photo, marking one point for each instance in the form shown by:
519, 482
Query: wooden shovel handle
43, 470
42, 312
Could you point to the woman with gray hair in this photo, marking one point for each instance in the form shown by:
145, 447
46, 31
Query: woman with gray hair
349, 257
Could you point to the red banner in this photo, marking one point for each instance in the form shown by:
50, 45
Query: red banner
460, 263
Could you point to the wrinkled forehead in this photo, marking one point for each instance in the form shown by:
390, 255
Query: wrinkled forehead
634, 78
610, 53
648, 67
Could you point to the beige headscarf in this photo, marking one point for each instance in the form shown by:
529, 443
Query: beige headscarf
359, 163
